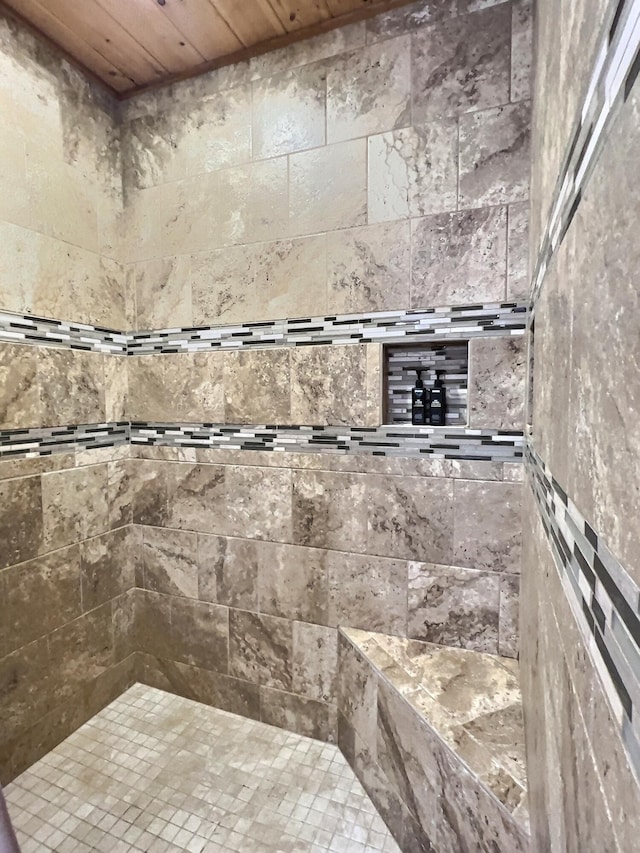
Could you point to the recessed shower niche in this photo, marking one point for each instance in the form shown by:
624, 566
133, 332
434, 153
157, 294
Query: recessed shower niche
449, 361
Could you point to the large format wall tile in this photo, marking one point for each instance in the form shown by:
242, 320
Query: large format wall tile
497, 383
20, 402
21, 522
487, 532
256, 387
261, 649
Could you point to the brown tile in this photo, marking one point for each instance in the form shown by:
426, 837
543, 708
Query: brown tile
20, 404
257, 387
293, 582
357, 691
454, 607
367, 592
462, 64
148, 483
509, 616
153, 624
41, 595
25, 687
260, 649
228, 571
169, 561
315, 660
106, 566
258, 503
459, 258
147, 394
21, 527
488, 527
193, 387
197, 497
119, 493
410, 518
518, 251
74, 505
298, 714
72, 387
200, 634
329, 510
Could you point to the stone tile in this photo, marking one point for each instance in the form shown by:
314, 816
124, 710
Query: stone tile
228, 571
405, 749
148, 482
147, 395
116, 388
74, 505
508, 645
71, 387
410, 518
328, 188
367, 592
217, 132
413, 171
518, 284
21, 525
268, 209
298, 714
357, 692
494, 156
107, 568
455, 607
258, 503
123, 614
193, 387
223, 286
369, 90
197, 497
459, 258
119, 493
25, 682
20, 404
39, 596
169, 560
257, 387
329, 510
290, 278
497, 383
162, 294
261, 649
200, 634
368, 268
488, 528
289, 111
315, 660
408, 18
521, 49
293, 582
462, 64
152, 633
329, 385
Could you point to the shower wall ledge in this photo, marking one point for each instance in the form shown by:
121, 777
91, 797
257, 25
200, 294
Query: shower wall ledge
436, 736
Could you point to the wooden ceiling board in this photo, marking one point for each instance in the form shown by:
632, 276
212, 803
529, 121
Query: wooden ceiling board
299, 14
147, 23
252, 21
137, 45
202, 26
29, 12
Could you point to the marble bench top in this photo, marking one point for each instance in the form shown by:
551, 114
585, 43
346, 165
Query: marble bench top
472, 700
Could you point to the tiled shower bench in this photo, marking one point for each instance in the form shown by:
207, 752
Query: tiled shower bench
436, 736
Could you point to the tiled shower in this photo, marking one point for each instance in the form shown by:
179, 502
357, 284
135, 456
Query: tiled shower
220, 526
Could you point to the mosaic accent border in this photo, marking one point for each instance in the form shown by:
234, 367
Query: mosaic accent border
604, 598
616, 68
33, 443
43, 331
432, 324
436, 442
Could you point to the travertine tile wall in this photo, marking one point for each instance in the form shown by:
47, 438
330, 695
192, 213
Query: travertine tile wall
384, 165
585, 427
66, 586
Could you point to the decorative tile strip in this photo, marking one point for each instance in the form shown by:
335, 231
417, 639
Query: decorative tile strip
604, 598
458, 323
43, 331
616, 67
32, 443
436, 442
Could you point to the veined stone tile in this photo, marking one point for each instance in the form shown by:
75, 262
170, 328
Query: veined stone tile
74, 505
369, 90
261, 649
293, 582
196, 497
518, 284
71, 385
107, 567
200, 634
455, 607
162, 293
228, 571
257, 387
223, 286
413, 171
488, 530
508, 643
497, 383
357, 692
408, 18
521, 49
169, 559
494, 155
193, 387
315, 660
459, 257
298, 714
20, 404
257, 503
462, 64
290, 278
329, 510
367, 591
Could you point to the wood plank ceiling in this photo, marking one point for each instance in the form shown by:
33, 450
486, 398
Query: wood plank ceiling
132, 45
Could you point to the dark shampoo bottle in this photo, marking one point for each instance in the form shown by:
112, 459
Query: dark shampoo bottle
419, 401
438, 403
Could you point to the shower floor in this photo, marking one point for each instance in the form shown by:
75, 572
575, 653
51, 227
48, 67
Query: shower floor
156, 772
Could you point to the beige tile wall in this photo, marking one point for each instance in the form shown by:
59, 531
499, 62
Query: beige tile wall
585, 427
384, 166
61, 197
